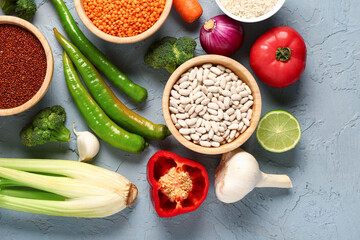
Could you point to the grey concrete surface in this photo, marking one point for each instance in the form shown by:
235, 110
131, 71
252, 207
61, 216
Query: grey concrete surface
324, 167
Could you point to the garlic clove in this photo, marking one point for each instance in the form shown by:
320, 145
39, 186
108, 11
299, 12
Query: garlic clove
88, 145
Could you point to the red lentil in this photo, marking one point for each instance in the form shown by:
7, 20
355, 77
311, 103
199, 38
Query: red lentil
124, 18
22, 66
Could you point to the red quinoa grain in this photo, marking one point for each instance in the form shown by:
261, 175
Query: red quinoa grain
22, 66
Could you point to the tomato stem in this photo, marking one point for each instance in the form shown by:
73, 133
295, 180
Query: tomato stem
283, 54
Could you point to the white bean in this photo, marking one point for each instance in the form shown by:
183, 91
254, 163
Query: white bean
207, 65
213, 105
244, 108
205, 143
249, 114
212, 111
187, 108
207, 126
205, 102
173, 118
199, 108
249, 104
248, 89
198, 122
215, 70
183, 79
192, 74
185, 131
185, 100
199, 74
213, 89
173, 110
236, 97
244, 94
176, 87
206, 73
191, 122
206, 116
199, 100
230, 111
233, 126
187, 137
182, 123
246, 121
204, 137
211, 133
182, 115
217, 138
215, 126
243, 129
244, 100
184, 92
220, 114
175, 94
195, 137
238, 115
226, 93
184, 85
208, 82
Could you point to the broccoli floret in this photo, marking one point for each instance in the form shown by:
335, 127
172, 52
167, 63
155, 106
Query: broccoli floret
169, 52
8, 6
184, 48
23, 8
161, 54
47, 126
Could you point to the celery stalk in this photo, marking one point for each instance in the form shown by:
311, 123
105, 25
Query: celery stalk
77, 190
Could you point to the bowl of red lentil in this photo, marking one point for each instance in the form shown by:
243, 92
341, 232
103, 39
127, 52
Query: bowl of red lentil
26, 65
125, 21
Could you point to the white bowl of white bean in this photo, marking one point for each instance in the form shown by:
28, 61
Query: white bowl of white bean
212, 104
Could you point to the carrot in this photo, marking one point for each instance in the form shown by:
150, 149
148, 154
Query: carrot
189, 10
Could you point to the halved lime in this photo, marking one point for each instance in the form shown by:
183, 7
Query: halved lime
278, 131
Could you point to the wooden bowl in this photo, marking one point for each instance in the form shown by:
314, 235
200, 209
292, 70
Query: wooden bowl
242, 73
122, 40
49, 58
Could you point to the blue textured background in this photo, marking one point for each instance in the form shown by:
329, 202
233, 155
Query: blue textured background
324, 167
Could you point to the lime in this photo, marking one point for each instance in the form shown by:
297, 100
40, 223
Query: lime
278, 131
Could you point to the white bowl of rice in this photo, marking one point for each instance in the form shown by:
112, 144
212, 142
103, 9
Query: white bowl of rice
250, 11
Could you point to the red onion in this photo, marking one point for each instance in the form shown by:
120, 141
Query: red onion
221, 35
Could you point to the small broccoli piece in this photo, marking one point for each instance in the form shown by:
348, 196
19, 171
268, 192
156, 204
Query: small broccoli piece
161, 54
184, 48
8, 6
23, 8
47, 126
169, 52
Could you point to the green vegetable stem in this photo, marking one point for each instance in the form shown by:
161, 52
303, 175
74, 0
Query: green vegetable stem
23, 8
63, 188
101, 62
47, 126
95, 117
169, 52
103, 95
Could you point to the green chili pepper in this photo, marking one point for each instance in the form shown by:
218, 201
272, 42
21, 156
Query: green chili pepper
95, 117
107, 100
136, 92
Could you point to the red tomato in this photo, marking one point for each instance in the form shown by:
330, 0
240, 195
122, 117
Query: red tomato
278, 57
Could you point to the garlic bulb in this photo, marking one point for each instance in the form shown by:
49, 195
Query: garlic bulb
88, 145
238, 174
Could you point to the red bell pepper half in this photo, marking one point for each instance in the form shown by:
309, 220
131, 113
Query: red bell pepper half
177, 185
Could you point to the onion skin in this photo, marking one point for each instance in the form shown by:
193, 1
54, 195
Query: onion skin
221, 35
